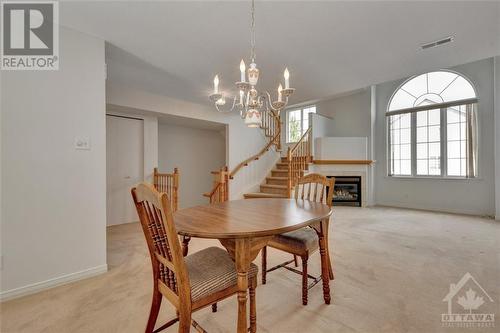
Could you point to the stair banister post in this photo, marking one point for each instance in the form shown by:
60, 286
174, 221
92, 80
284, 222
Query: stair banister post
289, 174
226, 184
176, 189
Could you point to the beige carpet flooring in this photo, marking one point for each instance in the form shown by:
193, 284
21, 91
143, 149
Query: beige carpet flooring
393, 268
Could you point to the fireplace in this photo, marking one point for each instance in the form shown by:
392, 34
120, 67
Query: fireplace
347, 191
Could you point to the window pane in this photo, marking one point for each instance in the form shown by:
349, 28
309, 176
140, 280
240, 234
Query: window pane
422, 167
405, 135
458, 89
422, 118
401, 100
405, 121
421, 134
397, 169
453, 167
453, 149
395, 152
294, 126
463, 135
434, 167
406, 167
439, 80
456, 141
434, 134
406, 152
422, 151
395, 137
434, 117
434, 150
454, 131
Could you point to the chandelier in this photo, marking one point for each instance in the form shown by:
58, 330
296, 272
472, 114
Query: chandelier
250, 102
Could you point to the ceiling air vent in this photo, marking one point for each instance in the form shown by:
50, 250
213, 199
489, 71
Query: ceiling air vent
437, 43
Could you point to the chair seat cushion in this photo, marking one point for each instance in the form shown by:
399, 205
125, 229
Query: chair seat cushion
212, 270
305, 239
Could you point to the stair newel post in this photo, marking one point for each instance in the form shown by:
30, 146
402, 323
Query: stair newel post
226, 183
175, 189
155, 176
278, 119
290, 172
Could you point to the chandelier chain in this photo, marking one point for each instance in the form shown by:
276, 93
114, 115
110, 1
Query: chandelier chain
253, 31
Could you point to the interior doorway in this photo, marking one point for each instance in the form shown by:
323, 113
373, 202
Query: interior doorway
124, 166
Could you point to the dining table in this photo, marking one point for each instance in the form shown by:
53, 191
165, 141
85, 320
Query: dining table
245, 226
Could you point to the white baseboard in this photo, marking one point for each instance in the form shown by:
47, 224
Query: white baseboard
51, 283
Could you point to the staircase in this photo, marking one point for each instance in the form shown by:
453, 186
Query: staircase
276, 185
283, 177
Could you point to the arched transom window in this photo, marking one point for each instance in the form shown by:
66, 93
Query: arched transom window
432, 127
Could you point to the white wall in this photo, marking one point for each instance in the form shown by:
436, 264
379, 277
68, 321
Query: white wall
350, 113
470, 196
241, 141
53, 196
321, 127
497, 136
196, 152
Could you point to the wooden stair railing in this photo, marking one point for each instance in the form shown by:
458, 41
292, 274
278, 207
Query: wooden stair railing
271, 127
220, 190
169, 183
298, 159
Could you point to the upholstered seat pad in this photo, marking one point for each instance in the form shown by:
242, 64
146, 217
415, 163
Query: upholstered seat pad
212, 270
305, 239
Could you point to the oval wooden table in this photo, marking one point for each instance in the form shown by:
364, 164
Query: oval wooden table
244, 227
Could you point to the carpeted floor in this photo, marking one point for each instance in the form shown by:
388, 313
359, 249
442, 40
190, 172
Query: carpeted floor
393, 268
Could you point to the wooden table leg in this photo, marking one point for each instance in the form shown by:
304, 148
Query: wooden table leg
244, 251
325, 266
242, 261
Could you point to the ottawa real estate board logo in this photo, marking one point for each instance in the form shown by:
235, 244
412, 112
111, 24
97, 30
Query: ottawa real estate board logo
469, 305
30, 35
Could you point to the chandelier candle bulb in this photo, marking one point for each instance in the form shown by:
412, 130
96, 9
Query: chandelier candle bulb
241, 97
242, 70
280, 88
216, 84
286, 74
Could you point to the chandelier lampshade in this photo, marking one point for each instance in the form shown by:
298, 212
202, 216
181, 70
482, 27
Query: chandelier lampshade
253, 118
253, 74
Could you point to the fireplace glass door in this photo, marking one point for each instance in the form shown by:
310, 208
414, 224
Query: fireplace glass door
347, 191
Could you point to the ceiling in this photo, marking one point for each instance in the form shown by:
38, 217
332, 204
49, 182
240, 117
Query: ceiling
176, 47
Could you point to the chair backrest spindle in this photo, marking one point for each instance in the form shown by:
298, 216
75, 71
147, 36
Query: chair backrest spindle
315, 187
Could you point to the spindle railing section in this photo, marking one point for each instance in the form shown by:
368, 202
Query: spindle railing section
169, 183
298, 159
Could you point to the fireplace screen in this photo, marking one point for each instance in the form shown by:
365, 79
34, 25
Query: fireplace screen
347, 191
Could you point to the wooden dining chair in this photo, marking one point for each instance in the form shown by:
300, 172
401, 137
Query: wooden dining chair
305, 241
190, 283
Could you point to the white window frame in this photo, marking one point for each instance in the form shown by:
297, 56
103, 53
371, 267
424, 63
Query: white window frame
443, 107
301, 109
471, 102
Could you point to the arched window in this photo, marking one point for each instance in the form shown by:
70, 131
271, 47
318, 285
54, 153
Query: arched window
432, 127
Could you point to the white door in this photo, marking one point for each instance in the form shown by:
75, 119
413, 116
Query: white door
124, 166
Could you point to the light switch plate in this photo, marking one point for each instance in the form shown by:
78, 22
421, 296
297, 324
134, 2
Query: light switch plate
82, 143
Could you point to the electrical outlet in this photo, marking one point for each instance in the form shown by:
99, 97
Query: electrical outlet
82, 143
